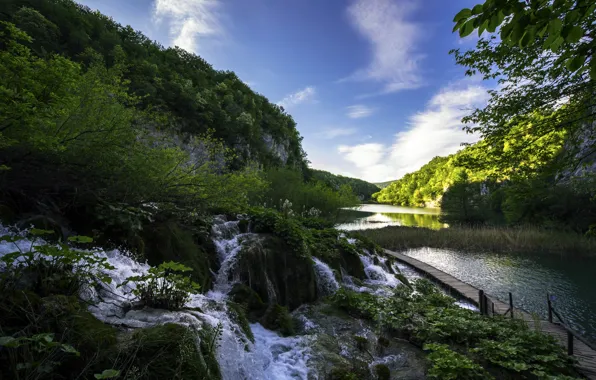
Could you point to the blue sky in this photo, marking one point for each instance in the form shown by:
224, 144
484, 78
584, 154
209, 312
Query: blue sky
370, 83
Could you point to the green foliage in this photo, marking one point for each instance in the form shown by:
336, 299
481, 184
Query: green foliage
557, 27
84, 151
192, 95
169, 351
486, 239
542, 61
47, 268
238, 314
289, 193
447, 364
364, 190
428, 318
107, 374
41, 353
278, 318
167, 286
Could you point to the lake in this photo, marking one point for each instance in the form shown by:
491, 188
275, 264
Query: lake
369, 216
529, 277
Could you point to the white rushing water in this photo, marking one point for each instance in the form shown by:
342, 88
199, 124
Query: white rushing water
326, 282
270, 357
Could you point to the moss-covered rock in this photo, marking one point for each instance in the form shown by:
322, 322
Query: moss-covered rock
238, 314
382, 372
278, 318
25, 314
167, 240
334, 249
277, 272
254, 305
167, 351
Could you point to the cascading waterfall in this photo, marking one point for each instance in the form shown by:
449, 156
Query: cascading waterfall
270, 357
326, 282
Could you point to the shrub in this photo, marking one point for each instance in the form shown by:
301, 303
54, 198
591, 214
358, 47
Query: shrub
450, 365
164, 287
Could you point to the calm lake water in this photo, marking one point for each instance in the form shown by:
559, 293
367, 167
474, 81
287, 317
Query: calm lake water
378, 216
529, 277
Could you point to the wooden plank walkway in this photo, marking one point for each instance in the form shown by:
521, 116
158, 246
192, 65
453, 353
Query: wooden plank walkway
585, 355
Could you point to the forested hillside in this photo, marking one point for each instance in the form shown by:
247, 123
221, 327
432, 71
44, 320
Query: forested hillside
364, 190
516, 180
182, 87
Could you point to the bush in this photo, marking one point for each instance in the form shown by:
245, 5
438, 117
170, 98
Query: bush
164, 287
449, 365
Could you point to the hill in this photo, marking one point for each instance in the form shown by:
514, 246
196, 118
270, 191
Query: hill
364, 190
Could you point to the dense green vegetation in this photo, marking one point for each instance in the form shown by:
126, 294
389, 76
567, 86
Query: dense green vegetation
514, 182
364, 190
463, 343
190, 95
486, 239
537, 129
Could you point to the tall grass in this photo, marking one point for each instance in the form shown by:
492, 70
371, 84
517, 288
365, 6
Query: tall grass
485, 239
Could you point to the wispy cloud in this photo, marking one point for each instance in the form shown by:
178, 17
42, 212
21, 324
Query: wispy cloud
359, 111
190, 21
394, 39
436, 131
305, 95
336, 132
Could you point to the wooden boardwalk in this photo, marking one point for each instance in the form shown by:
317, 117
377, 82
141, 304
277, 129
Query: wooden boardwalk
585, 355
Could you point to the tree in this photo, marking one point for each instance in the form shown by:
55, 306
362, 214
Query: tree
544, 58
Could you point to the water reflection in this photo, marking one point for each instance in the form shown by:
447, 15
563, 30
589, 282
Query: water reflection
529, 278
379, 216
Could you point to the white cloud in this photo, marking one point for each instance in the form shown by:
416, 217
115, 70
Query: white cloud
302, 96
358, 111
363, 155
190, 21
394, 40
436, 131
336, 132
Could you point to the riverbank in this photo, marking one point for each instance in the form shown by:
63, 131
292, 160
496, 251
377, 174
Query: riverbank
485, 239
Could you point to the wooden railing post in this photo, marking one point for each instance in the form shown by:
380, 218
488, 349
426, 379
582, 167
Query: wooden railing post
481, 301
569, 343
550, 308
511, 304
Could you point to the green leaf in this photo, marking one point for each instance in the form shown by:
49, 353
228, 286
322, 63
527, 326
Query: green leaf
575, 63
70, 349
107, 374
593, 69
467, 29
462, 15
80, 239
574, 34
493, 24
557, 44
482, 28
527, 37
478, 8
555, 26
39, 232
8, 341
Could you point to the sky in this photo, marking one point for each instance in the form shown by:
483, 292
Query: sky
370, 83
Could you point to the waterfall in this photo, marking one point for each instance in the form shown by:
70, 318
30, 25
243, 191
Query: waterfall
270, 357
376, 274
326, 282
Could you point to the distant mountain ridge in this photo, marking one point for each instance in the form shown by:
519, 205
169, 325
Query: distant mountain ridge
382, 185
364, 190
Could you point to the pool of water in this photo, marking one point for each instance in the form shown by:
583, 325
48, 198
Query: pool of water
369, 216
529, 278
